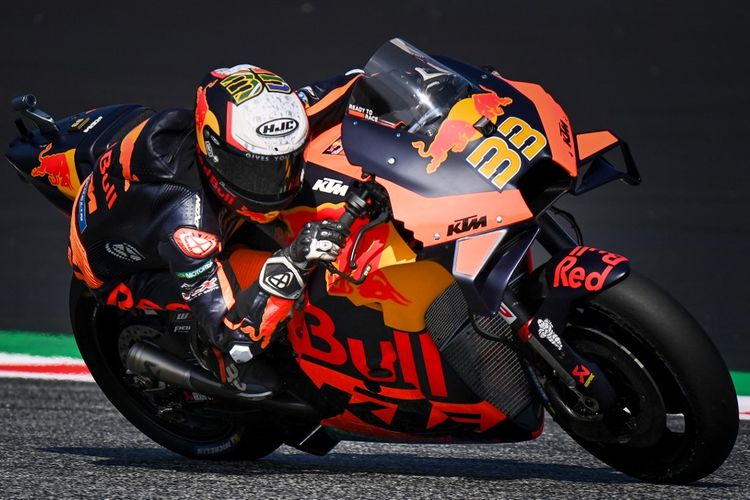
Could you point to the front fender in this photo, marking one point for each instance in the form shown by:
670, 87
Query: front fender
574, 273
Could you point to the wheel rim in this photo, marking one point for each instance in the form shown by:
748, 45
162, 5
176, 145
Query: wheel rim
638, 417
678, 428
164, 406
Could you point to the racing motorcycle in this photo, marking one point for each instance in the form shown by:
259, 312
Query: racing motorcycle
463, 306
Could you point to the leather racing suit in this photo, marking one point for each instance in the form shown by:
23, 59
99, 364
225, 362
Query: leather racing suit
147, 234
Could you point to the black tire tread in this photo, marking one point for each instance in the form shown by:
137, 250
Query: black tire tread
669, 335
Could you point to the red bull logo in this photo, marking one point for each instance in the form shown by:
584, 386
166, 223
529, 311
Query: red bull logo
60, 170
457, 130
377, 287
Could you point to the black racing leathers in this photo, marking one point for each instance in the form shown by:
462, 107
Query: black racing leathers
145, 232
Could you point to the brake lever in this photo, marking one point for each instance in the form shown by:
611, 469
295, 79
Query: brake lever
382, 217
348, 277
357, 205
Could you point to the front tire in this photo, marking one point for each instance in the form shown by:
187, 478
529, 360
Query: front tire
97, 333
685, 368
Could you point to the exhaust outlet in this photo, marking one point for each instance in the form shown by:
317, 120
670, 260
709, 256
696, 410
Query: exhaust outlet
150, 361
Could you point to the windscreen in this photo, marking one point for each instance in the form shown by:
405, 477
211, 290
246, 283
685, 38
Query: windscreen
405, 88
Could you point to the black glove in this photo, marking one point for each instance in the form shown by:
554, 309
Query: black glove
317, 241
285, 272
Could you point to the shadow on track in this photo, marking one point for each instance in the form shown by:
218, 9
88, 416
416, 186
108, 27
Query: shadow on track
348, 463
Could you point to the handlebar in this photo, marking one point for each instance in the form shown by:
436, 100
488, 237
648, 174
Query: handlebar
356, 207
364, 199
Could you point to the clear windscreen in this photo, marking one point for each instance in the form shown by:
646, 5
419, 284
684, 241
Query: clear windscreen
405, 88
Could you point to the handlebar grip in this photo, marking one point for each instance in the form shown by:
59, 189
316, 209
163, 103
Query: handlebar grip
347, 219
356, 206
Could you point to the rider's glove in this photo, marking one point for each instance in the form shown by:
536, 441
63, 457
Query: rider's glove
284, 273
317, 241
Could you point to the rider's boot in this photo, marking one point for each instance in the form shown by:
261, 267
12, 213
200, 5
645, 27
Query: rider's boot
255, 376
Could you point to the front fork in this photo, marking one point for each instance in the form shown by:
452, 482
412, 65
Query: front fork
572, 272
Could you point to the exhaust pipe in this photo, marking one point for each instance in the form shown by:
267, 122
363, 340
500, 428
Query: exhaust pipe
150, 361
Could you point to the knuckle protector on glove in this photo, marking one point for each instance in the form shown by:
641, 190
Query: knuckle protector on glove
280, 277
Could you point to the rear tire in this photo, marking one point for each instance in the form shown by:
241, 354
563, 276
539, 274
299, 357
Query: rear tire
96, 333
687, 370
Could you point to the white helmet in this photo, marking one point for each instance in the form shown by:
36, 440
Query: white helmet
251, 130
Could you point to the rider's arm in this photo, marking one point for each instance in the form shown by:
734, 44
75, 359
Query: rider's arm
227, 313
325, 102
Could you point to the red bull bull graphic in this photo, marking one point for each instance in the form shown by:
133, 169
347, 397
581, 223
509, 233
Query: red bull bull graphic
60, 170
376, 287
457, 131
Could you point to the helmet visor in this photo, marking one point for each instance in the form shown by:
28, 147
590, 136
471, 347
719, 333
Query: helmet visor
263, 178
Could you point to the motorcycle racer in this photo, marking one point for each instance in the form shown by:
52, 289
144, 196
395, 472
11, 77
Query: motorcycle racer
150, 226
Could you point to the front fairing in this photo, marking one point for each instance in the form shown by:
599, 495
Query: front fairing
451, 159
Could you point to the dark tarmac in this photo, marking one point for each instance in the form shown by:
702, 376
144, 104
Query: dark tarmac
64, 440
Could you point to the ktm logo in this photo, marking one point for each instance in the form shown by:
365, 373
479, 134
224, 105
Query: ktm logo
330, 186
565, 132
470, 223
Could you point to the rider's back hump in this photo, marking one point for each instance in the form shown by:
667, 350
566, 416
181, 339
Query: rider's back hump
56, 163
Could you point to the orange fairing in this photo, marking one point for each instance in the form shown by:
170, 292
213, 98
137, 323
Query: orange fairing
472, 252
331, 97
315, 153
591, 143
429, 218
556, 124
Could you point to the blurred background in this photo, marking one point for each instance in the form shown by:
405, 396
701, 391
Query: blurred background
670, 78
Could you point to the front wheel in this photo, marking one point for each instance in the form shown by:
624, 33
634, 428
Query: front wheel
673, 386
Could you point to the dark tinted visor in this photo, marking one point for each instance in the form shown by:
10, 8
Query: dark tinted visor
258, 177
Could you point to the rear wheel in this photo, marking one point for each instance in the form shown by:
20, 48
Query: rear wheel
677, 419
172, 417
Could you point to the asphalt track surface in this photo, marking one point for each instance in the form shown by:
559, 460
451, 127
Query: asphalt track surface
64, 440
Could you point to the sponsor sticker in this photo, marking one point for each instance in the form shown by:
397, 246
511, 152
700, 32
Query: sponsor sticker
198, 211
331, 186
278, 127
92, 125
202, 289
197, 271
335, 148
81, 212
471, 223
547, 332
